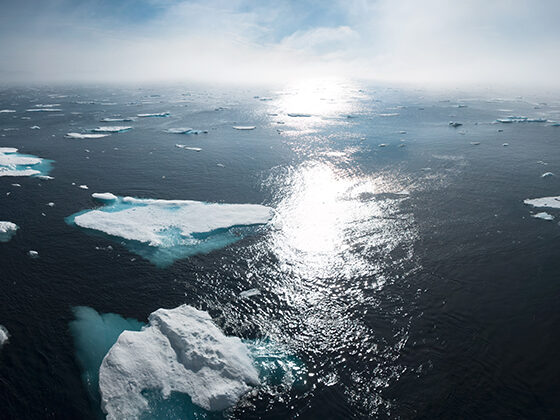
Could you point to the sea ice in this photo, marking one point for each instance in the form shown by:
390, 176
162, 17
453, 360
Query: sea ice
2, 111
113, 129
105, 196
85, 136
4, 335
44, 110
157, 114
455, 124
194, 149
547, 174
392, 114
7, 230
550, 202
295, 115
180, 350
13, 163
117, 119
165, 230
33, 254
35, 127
244, 127
543, 215
83, 187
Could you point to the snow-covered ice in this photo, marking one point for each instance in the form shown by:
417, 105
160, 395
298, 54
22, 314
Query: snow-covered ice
116, 119
547, 174
13, 163
165, 230
112, 129
85, 136
157, 114
7, 230
244, 127
550, 202
33, 254
183, 146
543, 215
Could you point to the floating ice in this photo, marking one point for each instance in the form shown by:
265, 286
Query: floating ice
176, 361
475, 143
45, 177
7, 230
114, 129
543, 215
248, 293
85, 136
455, 124
83, 187
547, 174
180, 350
505, 144
244, 127
393, 114
46, 105
33, 254
2, 111
117, 119
194, 149
179, 130
383, 145
44, 110
13, 163
163, 231
35, 127
550, 202
296, 115
4, 335
520, 119
157, 114
105, 196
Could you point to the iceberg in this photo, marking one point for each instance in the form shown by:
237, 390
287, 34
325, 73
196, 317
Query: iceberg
116, 119
4, 335
244, 127
7, 230
85, 136
550, 202
114, 129
543, 215
182, 146
163, 231
13, 163
157, 114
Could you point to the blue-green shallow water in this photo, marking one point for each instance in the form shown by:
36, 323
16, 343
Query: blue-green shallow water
436, 304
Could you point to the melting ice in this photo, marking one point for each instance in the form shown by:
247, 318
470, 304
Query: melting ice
7, 230
13, 163
163, 231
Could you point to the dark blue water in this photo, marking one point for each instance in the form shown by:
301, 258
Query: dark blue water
410, 278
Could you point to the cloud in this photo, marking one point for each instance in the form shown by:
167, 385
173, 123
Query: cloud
510, 42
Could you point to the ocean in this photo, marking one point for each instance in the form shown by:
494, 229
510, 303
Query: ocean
400, 270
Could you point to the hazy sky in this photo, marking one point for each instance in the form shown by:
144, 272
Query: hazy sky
418, 41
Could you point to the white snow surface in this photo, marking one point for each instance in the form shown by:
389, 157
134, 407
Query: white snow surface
550, 202
9, 159
180, 350
543, 215
149, 220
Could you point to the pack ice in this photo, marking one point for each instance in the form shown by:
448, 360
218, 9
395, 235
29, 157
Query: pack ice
163, 231
13, 163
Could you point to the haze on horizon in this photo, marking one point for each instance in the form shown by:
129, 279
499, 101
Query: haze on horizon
432, 42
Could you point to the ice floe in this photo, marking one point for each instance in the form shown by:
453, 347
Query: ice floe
550, 202
35, 127
116, 119
33, 254
13, 163
180, 350
7, 230
44, 110
547, 174
520, 119
296, 115
105, 196
4, 335
85, 136
83, 187
2, 111
165, 230
244, 127
194, 149
113, 129
455, 124
185, 130
157, 114
543, 215
390, 114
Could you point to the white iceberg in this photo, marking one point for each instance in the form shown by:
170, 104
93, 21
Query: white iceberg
543, 215
165, 230
13, 163
85, 136
83, 187
4, 335
157, 114
549, 202
7, 230
180, 350
113, 129
244, 127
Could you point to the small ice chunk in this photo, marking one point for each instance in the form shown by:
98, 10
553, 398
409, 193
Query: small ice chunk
221, 165
51, 204
194, 149
505, 144
244, 127
2, 111
104, 196
543, 215
44, 110
180, 350
4, 335
7, 230
550, 202
391, 114
179, 130
475, 143
85, 136
156, 114
383, 145
45, 177
248, 293
112, 129
16, 185
547, 174
35, 127
33, 254
296, 115
116, 119
455, 124
83, 187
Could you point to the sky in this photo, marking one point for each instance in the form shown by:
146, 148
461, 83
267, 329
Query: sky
426, 42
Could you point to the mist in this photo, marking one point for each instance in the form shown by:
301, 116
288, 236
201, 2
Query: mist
433, 42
